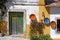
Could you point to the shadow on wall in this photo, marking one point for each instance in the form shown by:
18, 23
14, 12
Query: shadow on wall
47, 2
48, 9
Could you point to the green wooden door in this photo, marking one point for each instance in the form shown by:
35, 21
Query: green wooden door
16, 22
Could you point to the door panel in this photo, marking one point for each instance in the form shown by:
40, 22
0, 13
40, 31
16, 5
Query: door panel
16, 22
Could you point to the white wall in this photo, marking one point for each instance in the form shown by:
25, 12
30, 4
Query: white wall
55, 12
29, 11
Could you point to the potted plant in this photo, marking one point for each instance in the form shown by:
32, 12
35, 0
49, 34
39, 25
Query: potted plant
44, 37
40, 37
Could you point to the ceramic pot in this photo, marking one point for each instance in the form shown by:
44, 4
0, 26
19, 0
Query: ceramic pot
46, 21
53, 24
32, 17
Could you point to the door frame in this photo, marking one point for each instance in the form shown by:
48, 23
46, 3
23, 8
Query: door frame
24, 25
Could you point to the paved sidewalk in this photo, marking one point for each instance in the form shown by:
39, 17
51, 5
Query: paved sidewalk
12, 38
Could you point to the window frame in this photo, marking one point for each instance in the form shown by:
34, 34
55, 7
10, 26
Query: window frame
24, 25
56, 24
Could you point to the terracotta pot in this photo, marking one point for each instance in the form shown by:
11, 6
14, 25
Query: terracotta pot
53, 24
32, 17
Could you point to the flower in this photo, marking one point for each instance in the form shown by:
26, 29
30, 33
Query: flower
37, 24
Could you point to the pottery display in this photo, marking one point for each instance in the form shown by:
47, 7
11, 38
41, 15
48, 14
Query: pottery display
53, 24
46, 21
32, 17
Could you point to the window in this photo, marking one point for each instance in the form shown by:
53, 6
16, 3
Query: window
16, 22
58, 25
